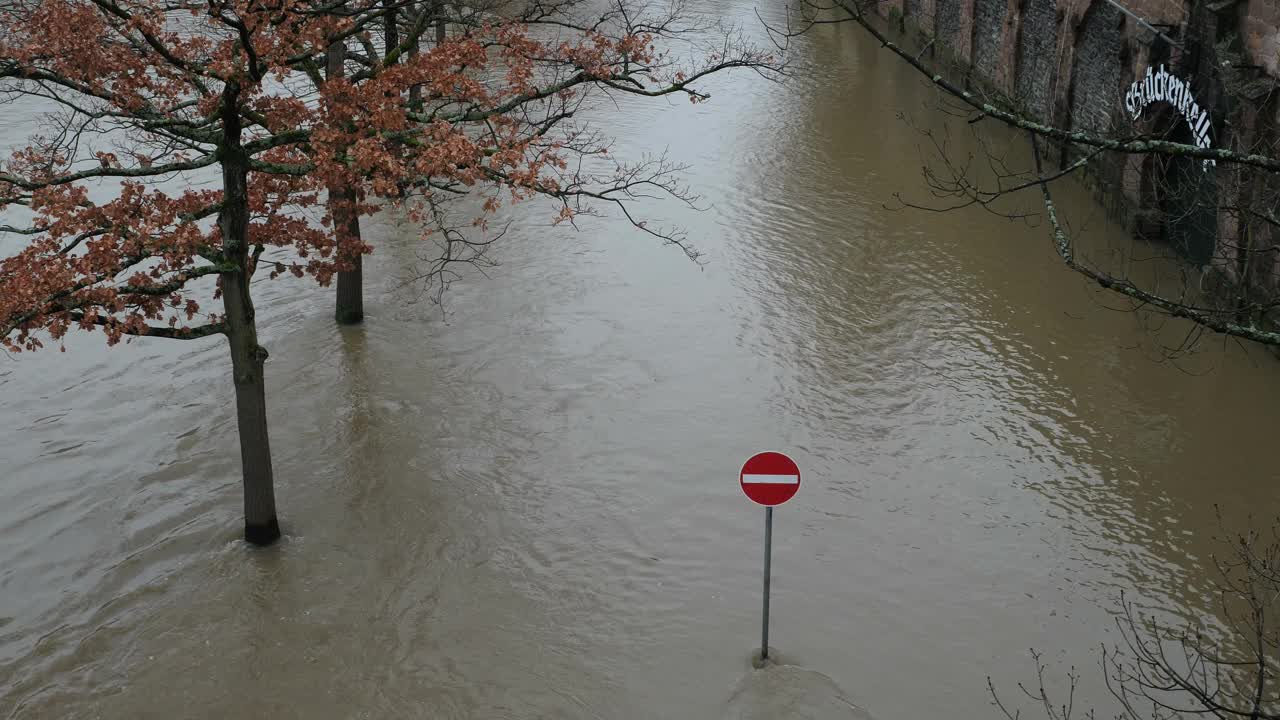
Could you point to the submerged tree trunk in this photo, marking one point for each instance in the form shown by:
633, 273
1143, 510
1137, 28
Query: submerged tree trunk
261, 526
346, 224
350, 305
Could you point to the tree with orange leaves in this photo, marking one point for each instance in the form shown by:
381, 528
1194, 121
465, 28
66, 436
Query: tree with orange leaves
146, 96
552, 80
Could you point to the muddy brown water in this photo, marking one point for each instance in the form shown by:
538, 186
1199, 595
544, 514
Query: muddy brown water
527, 507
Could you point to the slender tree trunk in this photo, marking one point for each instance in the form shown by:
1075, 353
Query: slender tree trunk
261, 526
390, 29
415, 92
346, 224
440, 21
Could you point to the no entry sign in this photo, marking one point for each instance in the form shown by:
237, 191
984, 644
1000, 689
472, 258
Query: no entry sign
770, 478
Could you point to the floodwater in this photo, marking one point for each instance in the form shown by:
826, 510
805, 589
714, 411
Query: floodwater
526, 506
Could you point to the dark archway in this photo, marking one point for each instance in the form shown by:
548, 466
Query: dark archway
1189, 200
1178, 195
947, 28
1095, 79
1184, 191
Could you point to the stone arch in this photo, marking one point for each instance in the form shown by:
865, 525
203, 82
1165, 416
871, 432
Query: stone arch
1184, 192
1037, 56
1095, 96
988, 33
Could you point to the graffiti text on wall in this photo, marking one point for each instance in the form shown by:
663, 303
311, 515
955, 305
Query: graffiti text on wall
1160, 86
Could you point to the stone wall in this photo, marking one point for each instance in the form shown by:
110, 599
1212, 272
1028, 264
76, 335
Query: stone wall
1070, 63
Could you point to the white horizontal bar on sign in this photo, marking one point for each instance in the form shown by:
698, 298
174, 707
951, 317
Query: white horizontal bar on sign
772, 479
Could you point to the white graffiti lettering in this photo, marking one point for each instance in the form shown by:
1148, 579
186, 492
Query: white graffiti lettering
1161, 86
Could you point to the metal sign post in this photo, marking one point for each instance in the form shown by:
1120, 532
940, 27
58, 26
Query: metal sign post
768, 556
769, 479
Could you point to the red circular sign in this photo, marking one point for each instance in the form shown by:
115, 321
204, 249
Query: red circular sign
770, 478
